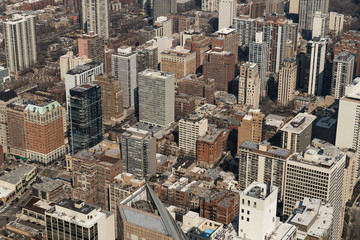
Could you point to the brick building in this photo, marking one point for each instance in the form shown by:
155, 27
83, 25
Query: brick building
32, 5
199, 44
180, 22
112, 98
92, 46
219, 65
221, 206
198, 86
16, 128
92, 173
227, 39
184, 105
210, 147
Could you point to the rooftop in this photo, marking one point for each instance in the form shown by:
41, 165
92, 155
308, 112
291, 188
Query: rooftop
258, 190
326, 122
266, 147
299, 123
211, 135
39, 205
15, 176
83, 68
225, 31
47, 184
156, 74
7, 95
344, 57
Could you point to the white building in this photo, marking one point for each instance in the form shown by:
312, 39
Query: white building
209, 5
318, 172
320, 25
249, 85
348, 131
162, 43
69, 61
342, 75
296, 134
257, 211
124, 69
164, 27
316, 52
259, 54
86, 221
20, 42
307, 11
95, 16
227, 11
190, 129
81, 74
156, 97
336, 22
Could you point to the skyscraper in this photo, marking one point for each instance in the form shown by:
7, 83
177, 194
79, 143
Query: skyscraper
156, 97
348, 131
314, 75
124, 68
95, 17
318, 172
227, 11
249, 85
20, 42
320, 25
259, 54
163, 7
342, 75
307, 11
138, 153
209, 5
92, 46
226, 39
336, 22
190, 129
296, 134
287, 82
261, 162
86, 119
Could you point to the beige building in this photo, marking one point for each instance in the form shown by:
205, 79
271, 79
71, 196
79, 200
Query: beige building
249, 85
336, 22
112, 98
252, 127
318, 172
179, 61
296, 134
69, 61
287, 82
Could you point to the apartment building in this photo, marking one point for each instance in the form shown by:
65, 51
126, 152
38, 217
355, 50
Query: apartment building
342, 75
69, 61
95, 17
210, 147
249, 85
198, 86
287, 82
92, 46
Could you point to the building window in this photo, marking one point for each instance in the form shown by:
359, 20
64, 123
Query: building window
248, 212
247, 219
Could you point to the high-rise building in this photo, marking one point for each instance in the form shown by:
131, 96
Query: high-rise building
124, 68
287, 82
20, 42
210, 147
296, 134
347, 132
320, 25
6, 97
342, 75
86, 118
198, 43
251, 127
44, 131
261, 162
163, 7
249, 85
112, 98
277, 32
69, 61
190, 129
257, 211
92, 46
226, 39
314, 75
184, 105
209, 5
259, 54
274, 6
227, 11
16, 128
81, 74
220, 66
69, 219
317, 172
307, 12
179, 61
336, 22
156, 97
257, 9
180, 22
95, 17
138, 153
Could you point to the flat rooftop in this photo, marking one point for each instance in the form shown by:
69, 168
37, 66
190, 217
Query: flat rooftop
17, 174
83, 68
78, 206
47, 185
258, 190
156, 74
271, 149
225, 31
299, 123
